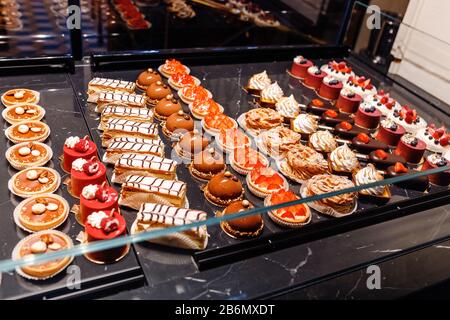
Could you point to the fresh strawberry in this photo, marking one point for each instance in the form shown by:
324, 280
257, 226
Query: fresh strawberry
363, 138
331, 113
440, 132
82, 145
342, 65
400, 168
384, 100
381, 154
381, 92
346, 125
361, 79
273, 186
390, 105
444, 141
409, 119
288, 215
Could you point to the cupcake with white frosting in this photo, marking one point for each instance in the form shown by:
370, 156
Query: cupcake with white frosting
258, 82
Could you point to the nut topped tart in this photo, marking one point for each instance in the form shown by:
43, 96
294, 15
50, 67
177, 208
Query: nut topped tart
143, 165
137, 190
127, 113
23, 112
336, 206
243, 227
130, 145
85, 172
41, 212
28, 131
244, 160
117, 128
28, 154
259, 119
34, 181
75, 148
292, 216
95, 197
193, 93
43, 242
152, 216
231, 139
172, 66
263, 181
19, 96
223, 189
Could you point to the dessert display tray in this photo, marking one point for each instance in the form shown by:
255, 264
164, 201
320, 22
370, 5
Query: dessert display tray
64, 117
225, 81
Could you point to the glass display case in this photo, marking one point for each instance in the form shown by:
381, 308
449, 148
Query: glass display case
258, 150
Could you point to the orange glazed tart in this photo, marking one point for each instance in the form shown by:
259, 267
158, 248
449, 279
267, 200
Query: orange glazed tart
43, 212
19, 96
201, 108
28, 154
28, 131
263, 181
232, 139
193, 93
43, 242
214, 123
181, 80
34, 181
244, 160
292, 216
23, 112
171, 67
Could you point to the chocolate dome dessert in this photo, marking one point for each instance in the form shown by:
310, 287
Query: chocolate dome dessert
166, 107
223, 189
178, 123
157, 91
207, 163
244, 227
147, 77
190, 144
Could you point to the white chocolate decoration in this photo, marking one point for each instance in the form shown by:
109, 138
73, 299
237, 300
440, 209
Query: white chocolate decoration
43, 180
35, 153
38, 208
32, 175
39, 247
19, 94
24, 151
54, 246
23, 128
52, 207
36, 129
31, 111
19, 110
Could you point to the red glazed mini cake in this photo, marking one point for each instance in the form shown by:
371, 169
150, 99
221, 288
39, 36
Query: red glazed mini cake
96, 197
314, 78
86, 172
75, 148
367, 117
411, 148
435, 161
105, 225
300, 67
330, 88
390, 132
348, 101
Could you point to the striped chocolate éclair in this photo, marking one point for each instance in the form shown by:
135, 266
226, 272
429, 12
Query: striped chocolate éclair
126, 112
146, 162
168, 215
172, 188
128, 126
112, 85
129, 99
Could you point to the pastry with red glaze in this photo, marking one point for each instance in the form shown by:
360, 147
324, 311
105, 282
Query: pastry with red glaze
411, 148
171, 67
300, 66
390, 133
360, 86
367, 117
244, 160
291, 216
435, 161
75, 148
216, 122
181, 80
202, 108
314, 78
95, 197
194, 94
330, 88
85, 172
348, 101
436, 139
231, 139
263, 181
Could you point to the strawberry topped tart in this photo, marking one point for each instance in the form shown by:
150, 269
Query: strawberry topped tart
338, 70
360, 86
436, 139
408, 119
75, 148
172, 66
263, 181
193, 93
181, 80
383, 102
85, 172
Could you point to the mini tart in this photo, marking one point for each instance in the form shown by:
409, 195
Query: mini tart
207, 164
292, 216
146, 78
34, 181
223, 189
23, 112
201, 109
28, 154
259, 119
178, 124
42, 242
191, 143
231, 139
19, 96
215, 123
244, 227
263, 181
181, 80
28, 131
171, 67
166, 107
43, 212
190, 94
244, 160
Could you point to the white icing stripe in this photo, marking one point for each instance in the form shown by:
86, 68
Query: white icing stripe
135, 147
131, 98
151, 184
155, 141
171, 216
113, 84
147, 162
127, 111
123, 125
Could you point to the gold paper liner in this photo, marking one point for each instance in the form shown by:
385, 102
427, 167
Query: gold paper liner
77, 213
123, 255
61, 164
68, 183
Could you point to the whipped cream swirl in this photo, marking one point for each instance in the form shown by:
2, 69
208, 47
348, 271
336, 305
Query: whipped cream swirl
95, 219
288, 107
71, 142
305, 123
272, 92
259, 81
344, 159
89, 192
323, 141
78, 164
370, 175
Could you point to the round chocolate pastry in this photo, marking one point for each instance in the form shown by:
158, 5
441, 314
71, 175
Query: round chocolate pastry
147, 77
223, 189
207, 163
166, 107
178, 123
190, 144
244, 227
157, 91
